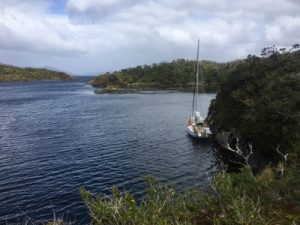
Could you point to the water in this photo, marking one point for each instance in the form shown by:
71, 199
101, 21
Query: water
56, 137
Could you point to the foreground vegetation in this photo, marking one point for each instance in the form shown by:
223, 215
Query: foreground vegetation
16, 74
271, 197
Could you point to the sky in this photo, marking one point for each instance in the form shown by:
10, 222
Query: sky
96, 36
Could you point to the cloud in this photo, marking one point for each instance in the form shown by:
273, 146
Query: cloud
284, 30
95, 11
104, 35
28, 29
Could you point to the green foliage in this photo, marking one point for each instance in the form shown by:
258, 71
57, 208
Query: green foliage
15, 74
158, 207
244, 199
240, 198
229, 199
177, 74
259, 98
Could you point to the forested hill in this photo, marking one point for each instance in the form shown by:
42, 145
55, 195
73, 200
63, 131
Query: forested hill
176, 74
259, 100
15, 74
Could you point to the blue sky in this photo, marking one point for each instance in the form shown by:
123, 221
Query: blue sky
94, 36
58, 7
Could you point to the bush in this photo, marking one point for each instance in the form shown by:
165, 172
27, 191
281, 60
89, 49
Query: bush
160, 206
239, 198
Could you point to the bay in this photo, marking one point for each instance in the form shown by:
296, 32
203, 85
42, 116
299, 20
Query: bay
58, 136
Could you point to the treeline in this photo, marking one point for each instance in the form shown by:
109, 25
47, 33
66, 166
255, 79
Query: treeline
259, 102
179, 73
15, 74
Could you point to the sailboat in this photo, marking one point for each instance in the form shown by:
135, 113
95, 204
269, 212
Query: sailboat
196, 125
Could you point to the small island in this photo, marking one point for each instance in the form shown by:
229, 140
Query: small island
10, 73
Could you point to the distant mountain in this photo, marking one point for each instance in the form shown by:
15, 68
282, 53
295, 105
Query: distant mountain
10, 73
90, 74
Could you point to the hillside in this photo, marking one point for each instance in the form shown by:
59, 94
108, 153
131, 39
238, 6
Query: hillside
178, 74
259, 101
16, 74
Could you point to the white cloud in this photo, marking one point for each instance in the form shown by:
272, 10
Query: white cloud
284, 30
101, 35
84, 6
26, 29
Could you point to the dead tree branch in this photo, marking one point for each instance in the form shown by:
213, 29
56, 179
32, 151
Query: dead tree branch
283, 155
239, 151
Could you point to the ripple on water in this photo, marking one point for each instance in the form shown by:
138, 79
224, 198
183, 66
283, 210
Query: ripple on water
56, 137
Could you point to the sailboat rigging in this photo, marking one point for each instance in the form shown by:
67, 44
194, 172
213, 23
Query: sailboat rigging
196, 126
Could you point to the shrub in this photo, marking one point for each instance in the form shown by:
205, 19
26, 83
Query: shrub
239, 198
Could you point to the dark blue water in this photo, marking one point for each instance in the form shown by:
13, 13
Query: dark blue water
56, 137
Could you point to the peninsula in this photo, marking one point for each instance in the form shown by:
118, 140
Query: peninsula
10, 73
175, 75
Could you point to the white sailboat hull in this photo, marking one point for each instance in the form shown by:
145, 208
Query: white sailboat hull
190, 131
199, 135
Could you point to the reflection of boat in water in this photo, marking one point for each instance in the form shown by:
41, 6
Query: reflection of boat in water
197, 126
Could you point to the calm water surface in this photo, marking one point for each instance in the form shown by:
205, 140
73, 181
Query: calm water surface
56, 137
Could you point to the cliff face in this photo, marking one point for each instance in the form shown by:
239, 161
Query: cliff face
259, 102
15, 74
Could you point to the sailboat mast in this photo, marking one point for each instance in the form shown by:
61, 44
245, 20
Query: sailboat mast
197, 77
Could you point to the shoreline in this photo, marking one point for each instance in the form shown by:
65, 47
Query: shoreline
28, 81
117, 90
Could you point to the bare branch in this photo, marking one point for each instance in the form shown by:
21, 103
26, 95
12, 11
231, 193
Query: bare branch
284, 156
239, 152
280, 165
